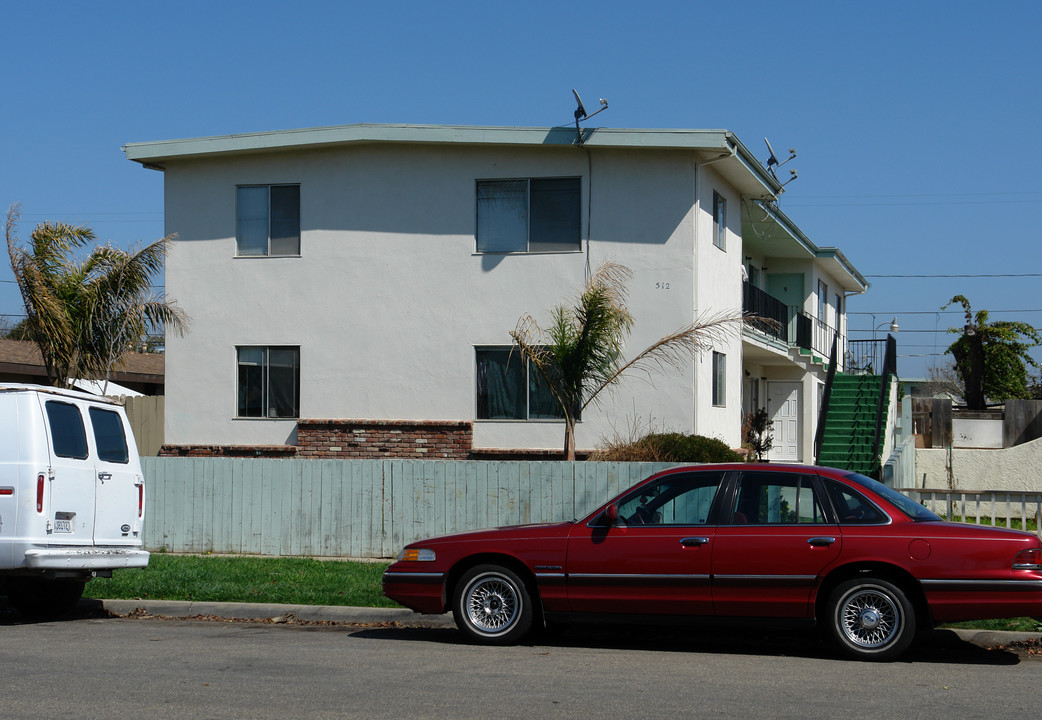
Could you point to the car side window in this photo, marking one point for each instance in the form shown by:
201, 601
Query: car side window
769, 498
852, 507
682, 499
68, 437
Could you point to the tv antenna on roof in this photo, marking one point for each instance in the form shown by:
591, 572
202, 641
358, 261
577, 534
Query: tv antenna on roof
772, 162
580, 114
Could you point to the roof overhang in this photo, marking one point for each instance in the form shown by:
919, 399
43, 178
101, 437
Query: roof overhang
718, 147
770, 232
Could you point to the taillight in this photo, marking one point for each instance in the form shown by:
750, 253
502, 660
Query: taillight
140, 500
1028, 560
39, 492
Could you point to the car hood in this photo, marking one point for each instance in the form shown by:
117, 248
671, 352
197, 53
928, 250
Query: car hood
515, 532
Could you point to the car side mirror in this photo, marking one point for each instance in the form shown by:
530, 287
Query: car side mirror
611, 514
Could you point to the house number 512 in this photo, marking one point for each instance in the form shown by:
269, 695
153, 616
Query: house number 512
662, 286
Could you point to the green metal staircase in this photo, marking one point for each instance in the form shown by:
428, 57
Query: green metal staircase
849, 434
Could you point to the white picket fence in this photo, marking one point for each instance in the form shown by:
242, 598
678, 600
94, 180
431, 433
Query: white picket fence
1017, 509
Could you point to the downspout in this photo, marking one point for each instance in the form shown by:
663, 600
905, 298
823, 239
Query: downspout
694, 292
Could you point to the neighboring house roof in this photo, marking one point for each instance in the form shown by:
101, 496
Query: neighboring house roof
730, 157
21, 359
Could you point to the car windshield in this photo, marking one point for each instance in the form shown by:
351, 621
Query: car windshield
901, 501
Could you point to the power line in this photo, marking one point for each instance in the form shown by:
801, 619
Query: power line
961, 275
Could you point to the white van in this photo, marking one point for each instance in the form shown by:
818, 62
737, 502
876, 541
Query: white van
72, 498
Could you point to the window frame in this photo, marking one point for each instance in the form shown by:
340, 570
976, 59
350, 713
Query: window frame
530, 373
268, 253
719, 221
265, 397
528, 249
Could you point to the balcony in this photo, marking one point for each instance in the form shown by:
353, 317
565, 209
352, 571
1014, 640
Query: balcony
786, 323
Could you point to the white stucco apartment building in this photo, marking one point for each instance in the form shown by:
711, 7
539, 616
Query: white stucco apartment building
351, 288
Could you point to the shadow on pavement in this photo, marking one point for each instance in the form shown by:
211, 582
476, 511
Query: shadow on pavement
941, 647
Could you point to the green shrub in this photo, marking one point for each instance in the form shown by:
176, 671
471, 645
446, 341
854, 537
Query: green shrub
669, 447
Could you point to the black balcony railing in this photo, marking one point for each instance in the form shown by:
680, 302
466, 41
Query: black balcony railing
766, 313
787, 323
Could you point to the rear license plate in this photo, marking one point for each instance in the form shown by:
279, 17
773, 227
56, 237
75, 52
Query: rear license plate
63, 525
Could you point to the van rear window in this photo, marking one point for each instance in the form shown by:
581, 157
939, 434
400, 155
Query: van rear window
68, 438
109, 437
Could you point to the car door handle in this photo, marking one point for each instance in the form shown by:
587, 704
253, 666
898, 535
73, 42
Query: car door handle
821, 541
103, 476
694, 541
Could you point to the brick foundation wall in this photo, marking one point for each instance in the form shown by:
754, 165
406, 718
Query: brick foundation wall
413, 439
374, 439
265, 451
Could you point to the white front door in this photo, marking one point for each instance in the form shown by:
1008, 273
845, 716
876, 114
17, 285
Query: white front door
783, 408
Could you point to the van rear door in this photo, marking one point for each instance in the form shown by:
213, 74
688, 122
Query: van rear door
67, 493
120, 497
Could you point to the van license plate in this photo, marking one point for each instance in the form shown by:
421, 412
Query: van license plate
62, 525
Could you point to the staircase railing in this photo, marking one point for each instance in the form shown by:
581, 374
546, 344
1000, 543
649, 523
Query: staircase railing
888, 371
826, 399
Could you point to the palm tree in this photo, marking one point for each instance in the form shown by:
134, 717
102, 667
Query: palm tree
86, 315
580, 354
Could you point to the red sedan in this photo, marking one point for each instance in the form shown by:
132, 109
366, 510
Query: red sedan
788, 543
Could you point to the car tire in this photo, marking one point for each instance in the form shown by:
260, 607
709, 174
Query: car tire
870, 618
41, 599
492, 605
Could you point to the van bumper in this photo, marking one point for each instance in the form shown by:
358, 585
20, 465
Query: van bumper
85, 558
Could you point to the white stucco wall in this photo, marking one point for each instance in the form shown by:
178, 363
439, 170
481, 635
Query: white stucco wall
389, 297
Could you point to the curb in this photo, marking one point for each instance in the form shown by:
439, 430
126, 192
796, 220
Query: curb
272, 612
399, 617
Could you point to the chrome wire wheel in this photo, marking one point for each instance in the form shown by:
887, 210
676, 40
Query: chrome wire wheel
871, 619
493, 603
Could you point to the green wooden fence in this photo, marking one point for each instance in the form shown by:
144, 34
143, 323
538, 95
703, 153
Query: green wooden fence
359, 508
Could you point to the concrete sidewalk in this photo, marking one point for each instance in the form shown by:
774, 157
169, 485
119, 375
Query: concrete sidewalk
399, 617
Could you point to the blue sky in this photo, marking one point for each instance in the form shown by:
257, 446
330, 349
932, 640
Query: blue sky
916, 123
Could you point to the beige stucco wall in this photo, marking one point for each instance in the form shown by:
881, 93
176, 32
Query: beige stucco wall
389, 297
1016, 468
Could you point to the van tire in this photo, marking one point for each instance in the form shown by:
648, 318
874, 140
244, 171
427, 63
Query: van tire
42, 599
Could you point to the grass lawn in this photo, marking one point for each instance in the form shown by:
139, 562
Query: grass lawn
222, 578
298, 581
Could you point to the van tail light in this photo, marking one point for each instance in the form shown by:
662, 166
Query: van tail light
140, 499
39, 492
1028, 560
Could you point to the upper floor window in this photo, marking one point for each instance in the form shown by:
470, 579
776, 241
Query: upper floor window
529, 215
823, 302
508, 389
268, 382
719, 220
267, 220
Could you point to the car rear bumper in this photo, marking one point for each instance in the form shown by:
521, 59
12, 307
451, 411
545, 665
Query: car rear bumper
85, 558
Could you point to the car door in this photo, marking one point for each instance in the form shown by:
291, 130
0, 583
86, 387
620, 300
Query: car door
118, 482
775, 542
655, 558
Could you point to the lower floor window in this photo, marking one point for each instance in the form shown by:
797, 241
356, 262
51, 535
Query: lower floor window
268, 382
508, 389
719, 379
